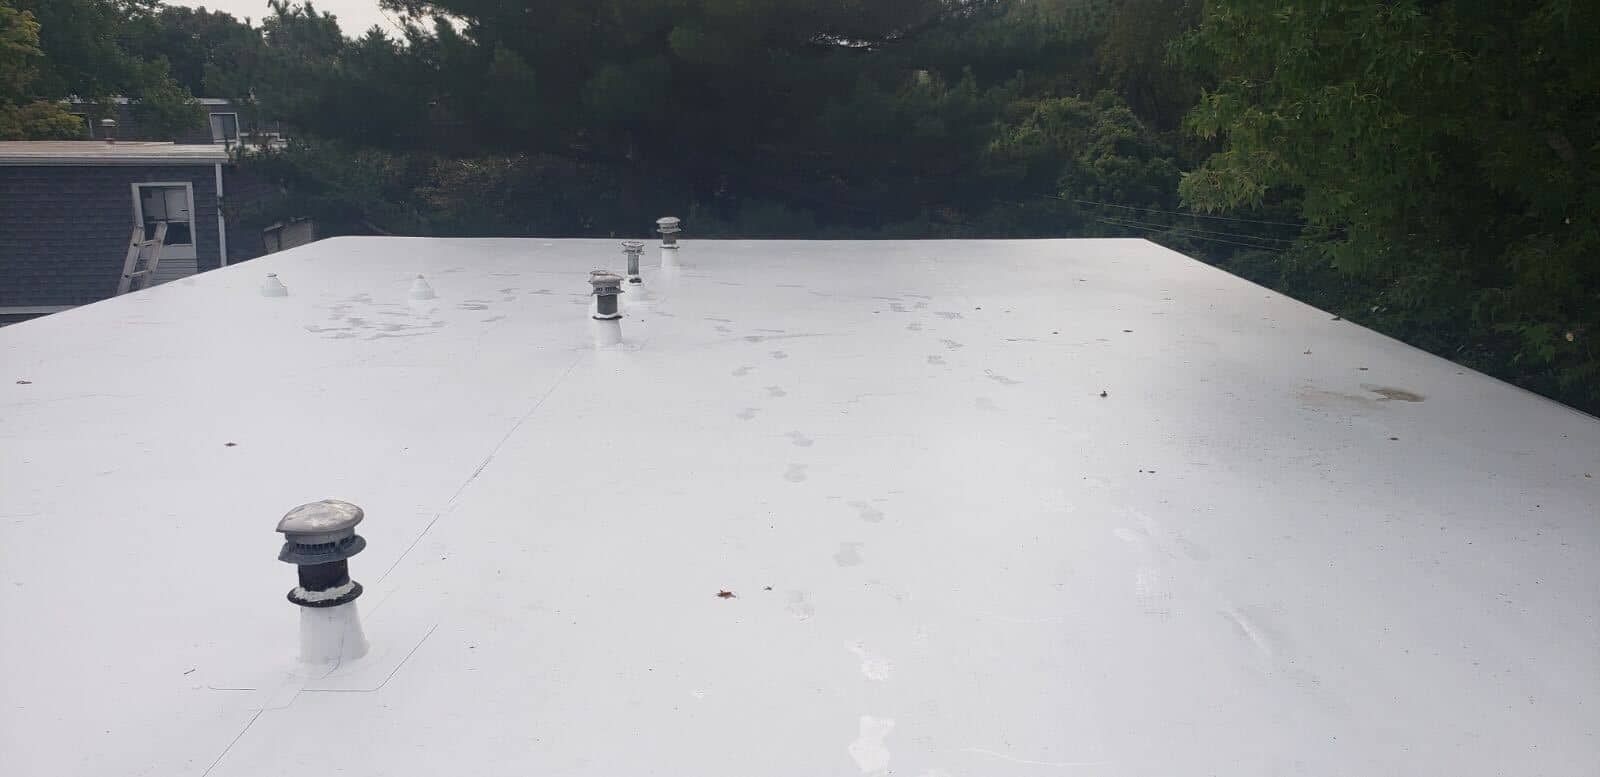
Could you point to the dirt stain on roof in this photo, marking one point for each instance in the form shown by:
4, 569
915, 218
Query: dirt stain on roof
1388, 393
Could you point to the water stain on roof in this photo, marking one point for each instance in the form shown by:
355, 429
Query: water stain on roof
1390, 393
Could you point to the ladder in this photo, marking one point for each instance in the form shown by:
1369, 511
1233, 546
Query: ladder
143, 258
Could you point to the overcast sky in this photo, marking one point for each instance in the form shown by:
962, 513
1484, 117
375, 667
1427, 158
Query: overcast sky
355, 16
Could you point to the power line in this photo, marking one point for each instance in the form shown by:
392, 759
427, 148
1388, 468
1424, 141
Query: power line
1240, 235
1182, 213
1256, 246
1194, 233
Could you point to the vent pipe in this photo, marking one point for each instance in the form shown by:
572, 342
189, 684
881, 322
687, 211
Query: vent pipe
272, 287
319, 538
108, 128
420, 290
668, 227
633, 248
607, 316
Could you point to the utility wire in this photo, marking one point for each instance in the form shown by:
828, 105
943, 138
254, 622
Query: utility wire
1256, 246
1194, 233
1181, 213
1239, 235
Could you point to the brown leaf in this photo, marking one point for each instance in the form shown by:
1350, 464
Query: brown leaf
725, 595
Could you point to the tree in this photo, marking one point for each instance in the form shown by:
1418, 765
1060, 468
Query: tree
1445, 154
88, 52
23, 114
209, 53
1134, 57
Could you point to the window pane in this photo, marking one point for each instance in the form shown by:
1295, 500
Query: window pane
166, 205
224, 126
178, 233
155, 204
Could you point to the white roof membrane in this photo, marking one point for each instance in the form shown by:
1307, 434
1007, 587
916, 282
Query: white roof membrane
1278, 544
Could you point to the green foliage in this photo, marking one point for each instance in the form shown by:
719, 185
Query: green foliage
164, 107
1448, 166
1088, 150
209, 53
98, 49
1427, 167
344, 189
1137, 66
23, 114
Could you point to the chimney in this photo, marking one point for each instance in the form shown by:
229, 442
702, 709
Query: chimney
632, 248
108, 128
319, 538
668, 227
607, 317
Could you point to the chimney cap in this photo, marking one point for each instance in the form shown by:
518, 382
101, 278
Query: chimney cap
633, 246
668, 222
316, 523
108, 122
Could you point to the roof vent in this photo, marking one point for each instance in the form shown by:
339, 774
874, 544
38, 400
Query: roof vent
108, 128
668, 227
607, 317
632, 248
320, 537
272, 287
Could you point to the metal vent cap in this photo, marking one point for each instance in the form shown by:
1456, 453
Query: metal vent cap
320, 523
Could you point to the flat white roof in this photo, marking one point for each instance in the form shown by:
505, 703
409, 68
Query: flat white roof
45, 153
1278, 544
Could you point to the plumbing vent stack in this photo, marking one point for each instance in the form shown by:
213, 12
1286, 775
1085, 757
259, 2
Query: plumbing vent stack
319, 538
668, 227
633, 248
272, 287
108, 128
607, 316
420, 289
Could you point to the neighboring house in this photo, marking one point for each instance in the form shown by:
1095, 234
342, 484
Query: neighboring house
227, 122
69, 206
67, 209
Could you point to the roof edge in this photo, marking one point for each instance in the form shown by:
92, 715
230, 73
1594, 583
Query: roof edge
85, 161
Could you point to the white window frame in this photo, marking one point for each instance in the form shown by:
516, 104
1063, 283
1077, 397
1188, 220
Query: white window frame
170, 251
237, 131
